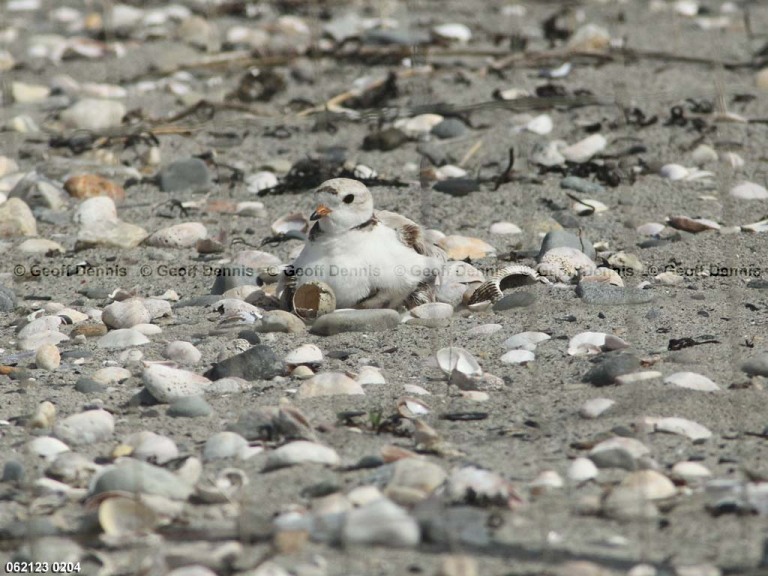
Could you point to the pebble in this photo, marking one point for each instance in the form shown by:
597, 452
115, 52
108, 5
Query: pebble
618, 452
44, 338
16, 219
690, 472
449, 128
329, 384
122, 338
301, 452
457, 187
85, 428
281, 321
182, 352
638, 377
125, 314
515, 300
454, 32
418, 125
91, 185
757, 365
691, 381
547, 154
257, 363
606, 372
595, 407
704, 154
46, 447
505, 228
86, 385
137, 477
582, 470
594, 343
184, 235
186, 175
189, 407
94, 114
45, 415
380, 523
40, 246
584, 150
13, 472
581, 185
749, 191
564, 239
224, 445
7, 299
432, 311
166, 384
373, 320
609, 295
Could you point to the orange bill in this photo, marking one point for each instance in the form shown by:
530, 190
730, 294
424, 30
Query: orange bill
320, 211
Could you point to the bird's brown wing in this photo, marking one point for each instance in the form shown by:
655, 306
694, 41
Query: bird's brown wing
410, 234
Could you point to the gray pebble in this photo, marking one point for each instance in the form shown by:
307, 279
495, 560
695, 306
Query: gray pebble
757, 365
190, 407
609, 295
257, 363
450, 128
457, 187
581, 185
229, 278
13, 471
565, 239
515, 300
199, 301
188, 175
86, 385
135, 476
355, 321
7, 299
385, 140
605, 373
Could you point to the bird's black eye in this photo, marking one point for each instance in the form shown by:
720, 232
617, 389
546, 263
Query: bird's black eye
348, 199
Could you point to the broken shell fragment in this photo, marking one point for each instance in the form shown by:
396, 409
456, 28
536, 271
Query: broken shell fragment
459, 360
313, 299
492, 290
411, 408
122, 516
295, 222
594, 343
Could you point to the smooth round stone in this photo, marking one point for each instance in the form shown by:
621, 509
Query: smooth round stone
40, 246
182, 352
190, 407
515, 300
93, 114
113, 234
126, 314
414, 480
228, 386
45, 338
86, 428
547, 154
606, 372
13, 471
690, 471
86, 385
183, 235
301, 452
518, 357
564, 239
609, 295
432, 311
231, 276
757, 365
704, 154
124, 338
385, 140
618, 452
329, 384
340, 321
450, 128
457, 187
47, 447
418, 125
692, 381
281, 321
257, 363
167, 384
584, 150
581, 185
505, 228
259, 181
16, 219
24, 93
187, 175
7, 299
582, 470
381, 523
47, 357
136, 476
224, 445
595, 407
541, 125
749, 191
454, 32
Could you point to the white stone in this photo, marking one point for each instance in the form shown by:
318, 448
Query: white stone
301, 452
585, 149
691, 381
86, 427
594, 407
504, 228
582, 470
167, 384
93, 114
518, 356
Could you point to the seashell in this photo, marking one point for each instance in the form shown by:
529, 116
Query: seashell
462, 247
650, 229
704, 154
225, 445
302, 372
329, 384
594, 407
511, 276
649, 485
94, 114
449, 171
414, 480
674, 172
411, 408
606, 453
734, 160
46, 447
504, 228
418, 125
518, 357
525, 340
92, 185
692, 224
691, 381
589, 38
680, 426
370, 375
587, 206
71, 316
583, 150
86, 427
582, 470
391, 453
455, 359
157, 307
761, 226
294, 222
233, 306
228, 486
565, 264
259, 181
363, 172
47, 357
749, 191
301, 452
546, 480
120, 516
72, 468
40, 246
45, 338
45, 415
126, 314
167, 384
432, 311
637, 377
139, 478
594, 343
182, 352
690, 472
42, 324
541, 125
149, 446
183, 235
454, 32
304, 354
123, 338
313, 299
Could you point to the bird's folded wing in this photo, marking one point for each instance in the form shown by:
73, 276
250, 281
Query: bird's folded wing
410, 234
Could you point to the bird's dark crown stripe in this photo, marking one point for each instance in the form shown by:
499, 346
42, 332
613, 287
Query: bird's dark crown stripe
329, 190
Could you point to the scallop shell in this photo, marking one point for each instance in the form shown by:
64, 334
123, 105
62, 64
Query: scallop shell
455, 359
294, 222
313, 300
121, 516
511, 276
411, 408
305, 354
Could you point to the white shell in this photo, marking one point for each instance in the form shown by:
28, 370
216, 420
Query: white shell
123, 338
585, 149
259, 181
458, 359
126, 314
148, 445
47, 447
582, 470
167, 384
461, 247
674, 172
503, 228
484, 329
541, 125
588, 206
42, 324
123, 516
761, 226
301, 452
594, 407
448, 171
650, 229
692, 381
649, 485
296, 221
418, 125
368, 375
749, 191
182, 352
518, 357
455, 32
681, 426
594, 343
86, 427
525, 340
329, 384
432, 311
224, 445
304, 354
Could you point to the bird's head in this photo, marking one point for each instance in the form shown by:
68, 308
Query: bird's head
342, 204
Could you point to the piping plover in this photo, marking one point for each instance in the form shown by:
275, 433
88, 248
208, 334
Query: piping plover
370, 259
